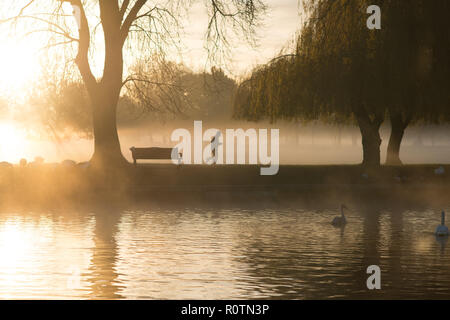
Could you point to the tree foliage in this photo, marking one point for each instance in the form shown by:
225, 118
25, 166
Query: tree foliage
344, 71
165, 91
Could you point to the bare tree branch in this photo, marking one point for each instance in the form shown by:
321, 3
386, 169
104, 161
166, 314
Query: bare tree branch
82, 59
123, 9
131, 18
135, 79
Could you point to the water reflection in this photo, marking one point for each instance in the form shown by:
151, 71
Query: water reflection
398, 246
221, 254
102, 273
371, 245
41, 255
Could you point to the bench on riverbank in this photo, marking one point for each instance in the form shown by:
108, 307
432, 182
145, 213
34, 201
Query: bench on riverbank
155, 154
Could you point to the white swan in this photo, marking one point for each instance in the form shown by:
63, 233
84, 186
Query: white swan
442, 230
340, 221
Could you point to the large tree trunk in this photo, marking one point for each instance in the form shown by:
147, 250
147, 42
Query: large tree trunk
371, 140
107, 151
105, 96
105, 93
398, 126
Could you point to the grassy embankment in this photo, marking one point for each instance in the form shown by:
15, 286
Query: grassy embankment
48, 184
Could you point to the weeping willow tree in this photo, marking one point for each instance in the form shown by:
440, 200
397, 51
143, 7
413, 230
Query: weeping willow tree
416, 48
332, 75
138, 27
344, 71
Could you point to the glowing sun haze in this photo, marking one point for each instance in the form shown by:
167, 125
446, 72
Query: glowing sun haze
19, 58
13, 142
19, 64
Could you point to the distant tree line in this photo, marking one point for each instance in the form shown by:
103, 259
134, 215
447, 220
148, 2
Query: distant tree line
152, 93
342, 71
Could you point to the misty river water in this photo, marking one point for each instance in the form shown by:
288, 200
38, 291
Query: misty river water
221, 254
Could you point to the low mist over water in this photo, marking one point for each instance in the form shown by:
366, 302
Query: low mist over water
299, 143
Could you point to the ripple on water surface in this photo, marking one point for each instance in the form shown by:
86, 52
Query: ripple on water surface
221, 254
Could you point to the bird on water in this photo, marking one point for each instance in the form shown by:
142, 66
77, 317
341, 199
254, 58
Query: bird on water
340, 220
442, 229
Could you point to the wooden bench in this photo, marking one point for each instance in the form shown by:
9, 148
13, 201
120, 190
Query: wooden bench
155, 154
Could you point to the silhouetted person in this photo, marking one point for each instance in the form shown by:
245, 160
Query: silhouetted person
214, 145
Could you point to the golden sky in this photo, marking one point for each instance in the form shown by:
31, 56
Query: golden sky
278, 30
20, 56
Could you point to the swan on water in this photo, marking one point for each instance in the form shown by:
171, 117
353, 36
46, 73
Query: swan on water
340, 220
442, 230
